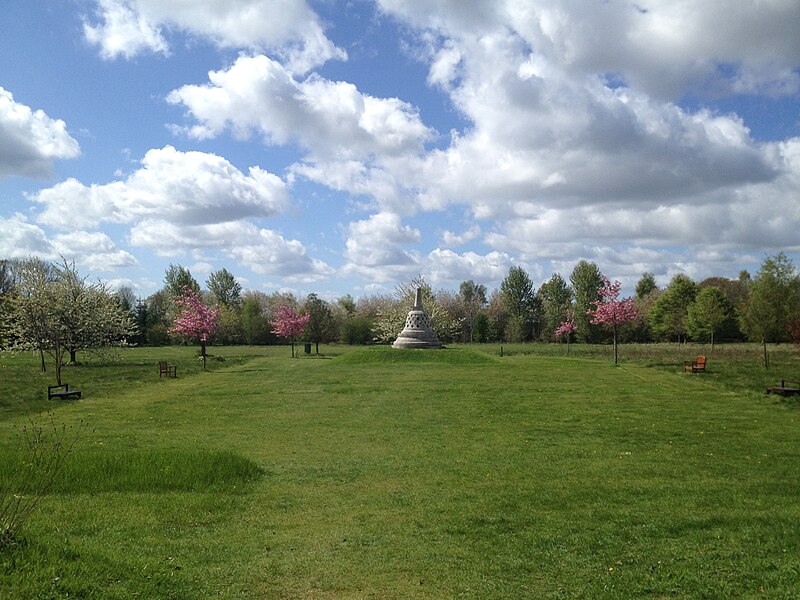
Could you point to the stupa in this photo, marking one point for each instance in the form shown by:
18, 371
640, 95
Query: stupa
417, 333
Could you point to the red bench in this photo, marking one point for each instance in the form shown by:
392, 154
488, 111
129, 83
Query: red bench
698, 365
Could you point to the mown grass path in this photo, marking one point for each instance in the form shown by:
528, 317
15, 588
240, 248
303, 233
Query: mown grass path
386, 474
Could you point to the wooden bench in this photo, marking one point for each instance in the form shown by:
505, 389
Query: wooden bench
786, 388
62, 391
698, 365
167, 369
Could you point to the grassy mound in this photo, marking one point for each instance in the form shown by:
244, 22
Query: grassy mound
387, 354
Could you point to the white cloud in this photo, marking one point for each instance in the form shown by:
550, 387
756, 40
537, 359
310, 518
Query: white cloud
380, 248
354, 142
96, 250
459, 239
30, 140
448, 267
185, 187
268, 253
288, 28
661, 47
379, 242
20, 239
329, 119
263, 251
123, 31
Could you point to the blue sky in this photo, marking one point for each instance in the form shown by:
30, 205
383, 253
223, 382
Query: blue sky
344, 147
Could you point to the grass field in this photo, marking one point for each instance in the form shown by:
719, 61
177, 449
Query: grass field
375, 473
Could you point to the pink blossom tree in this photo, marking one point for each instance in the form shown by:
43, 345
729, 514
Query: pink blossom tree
611, 311
196, 320
566, 329
288, 323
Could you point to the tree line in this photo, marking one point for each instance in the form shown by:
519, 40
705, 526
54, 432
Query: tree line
764, 308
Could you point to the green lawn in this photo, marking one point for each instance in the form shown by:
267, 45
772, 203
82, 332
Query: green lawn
376, 473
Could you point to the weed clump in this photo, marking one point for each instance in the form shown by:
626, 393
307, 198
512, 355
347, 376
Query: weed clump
29, 472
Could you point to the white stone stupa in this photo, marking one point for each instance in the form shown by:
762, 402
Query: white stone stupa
417, 333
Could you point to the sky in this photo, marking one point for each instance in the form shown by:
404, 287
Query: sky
344, 147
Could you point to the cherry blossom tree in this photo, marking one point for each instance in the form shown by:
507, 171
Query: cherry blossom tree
610, 311
289, 324
567, 328
196, 320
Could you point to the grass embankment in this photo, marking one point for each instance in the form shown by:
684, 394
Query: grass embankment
430, 474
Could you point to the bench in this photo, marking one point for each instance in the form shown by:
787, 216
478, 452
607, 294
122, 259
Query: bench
167, 369
62, 391
698, 365
786, 388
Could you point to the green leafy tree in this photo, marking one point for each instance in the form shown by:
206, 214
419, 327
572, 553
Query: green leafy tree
708, 314
480, 328
6, 276
646, 286
735, 290
639, 329
176, 279
321, 325
126, 298
347, 304
157, 319
520, 302
497, 316
555, 300
229, 327
586, 280
6, 287
254, 324
357, 329
773, 302
224, 289
669, 312
472, 298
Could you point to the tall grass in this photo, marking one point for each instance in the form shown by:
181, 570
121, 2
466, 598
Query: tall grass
30, 471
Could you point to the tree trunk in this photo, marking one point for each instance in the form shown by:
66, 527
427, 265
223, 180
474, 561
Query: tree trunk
59, 364
73, 356
616, 356
766, 356
41, 355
